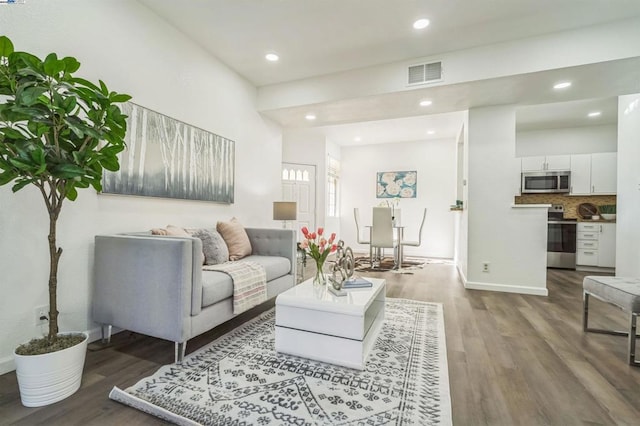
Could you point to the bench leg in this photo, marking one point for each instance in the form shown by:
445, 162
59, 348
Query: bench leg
631, 333
632, 339
585, 319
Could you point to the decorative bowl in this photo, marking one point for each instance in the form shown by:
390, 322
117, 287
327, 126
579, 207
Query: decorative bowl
608, 216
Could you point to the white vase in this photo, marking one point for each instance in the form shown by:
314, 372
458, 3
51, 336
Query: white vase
48, 378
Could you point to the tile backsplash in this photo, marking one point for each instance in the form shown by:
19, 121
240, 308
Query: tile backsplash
570, 203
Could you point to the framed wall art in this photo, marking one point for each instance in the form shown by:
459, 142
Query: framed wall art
168, 158
396, 184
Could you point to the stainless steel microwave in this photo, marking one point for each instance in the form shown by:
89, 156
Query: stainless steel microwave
546, 182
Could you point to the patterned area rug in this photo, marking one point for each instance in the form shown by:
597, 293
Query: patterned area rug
408, 264
239, 379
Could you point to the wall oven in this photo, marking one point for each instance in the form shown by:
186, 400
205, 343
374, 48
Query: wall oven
546, 182
561, 239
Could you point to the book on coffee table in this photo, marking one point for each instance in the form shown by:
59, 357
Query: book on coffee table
357, 282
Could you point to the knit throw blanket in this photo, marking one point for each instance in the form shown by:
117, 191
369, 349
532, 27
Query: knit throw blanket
249, 283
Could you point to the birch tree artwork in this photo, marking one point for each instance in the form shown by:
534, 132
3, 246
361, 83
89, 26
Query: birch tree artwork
168, 158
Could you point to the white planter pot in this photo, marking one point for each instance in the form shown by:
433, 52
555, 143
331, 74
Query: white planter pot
48, 378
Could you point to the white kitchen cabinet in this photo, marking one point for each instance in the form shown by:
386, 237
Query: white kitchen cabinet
593, 174
596, 244
604, 168
581, 174
607, 245
542, 163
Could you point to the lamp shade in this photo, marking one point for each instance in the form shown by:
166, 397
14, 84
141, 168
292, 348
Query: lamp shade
284, 210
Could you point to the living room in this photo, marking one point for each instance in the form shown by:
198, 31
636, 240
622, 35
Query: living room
136, 51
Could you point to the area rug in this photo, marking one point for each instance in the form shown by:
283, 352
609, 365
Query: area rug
408, 264
239, 379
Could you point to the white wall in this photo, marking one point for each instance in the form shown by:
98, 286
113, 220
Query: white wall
574, 140
513, 241
435, 162
628, 200
135, 52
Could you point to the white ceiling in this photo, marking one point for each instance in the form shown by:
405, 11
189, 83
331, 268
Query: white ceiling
316, 37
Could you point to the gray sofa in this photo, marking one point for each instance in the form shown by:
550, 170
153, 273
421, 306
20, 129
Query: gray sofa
155, 285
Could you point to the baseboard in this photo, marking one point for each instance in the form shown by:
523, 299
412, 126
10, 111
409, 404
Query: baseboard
7, 364
583, 268
463, 278
507, 288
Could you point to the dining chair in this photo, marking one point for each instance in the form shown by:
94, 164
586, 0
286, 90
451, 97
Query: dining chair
356, 216
381, 234
417, 243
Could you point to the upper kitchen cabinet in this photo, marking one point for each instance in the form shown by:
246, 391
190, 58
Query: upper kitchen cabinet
550, 162
594, 174
604, 167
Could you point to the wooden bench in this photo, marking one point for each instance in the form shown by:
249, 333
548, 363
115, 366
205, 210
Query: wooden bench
621, 292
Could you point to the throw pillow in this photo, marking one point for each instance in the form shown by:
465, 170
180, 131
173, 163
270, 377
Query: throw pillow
236, 238
213, 246
175, 231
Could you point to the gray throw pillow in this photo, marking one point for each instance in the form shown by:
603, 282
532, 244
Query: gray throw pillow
213, 246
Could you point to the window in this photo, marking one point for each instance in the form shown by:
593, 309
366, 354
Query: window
333, 180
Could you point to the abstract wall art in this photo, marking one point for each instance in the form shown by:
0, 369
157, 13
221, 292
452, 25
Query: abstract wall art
171, 159
396, 184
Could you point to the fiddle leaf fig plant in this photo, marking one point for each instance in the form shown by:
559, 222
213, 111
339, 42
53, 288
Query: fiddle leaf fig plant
57, 133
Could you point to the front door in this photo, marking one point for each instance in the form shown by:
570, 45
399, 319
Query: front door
299, 185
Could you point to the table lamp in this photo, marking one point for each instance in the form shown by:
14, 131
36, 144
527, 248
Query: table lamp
284, 211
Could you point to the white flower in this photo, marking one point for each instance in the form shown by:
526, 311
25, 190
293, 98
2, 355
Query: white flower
406, 192
388, 177
393, 189
380, 190
410, 179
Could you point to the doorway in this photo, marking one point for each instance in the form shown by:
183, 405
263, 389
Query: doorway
299, 185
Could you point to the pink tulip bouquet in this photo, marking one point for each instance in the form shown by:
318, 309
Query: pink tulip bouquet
318, 248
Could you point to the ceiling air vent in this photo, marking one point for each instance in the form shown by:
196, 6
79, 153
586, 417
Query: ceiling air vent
425, 73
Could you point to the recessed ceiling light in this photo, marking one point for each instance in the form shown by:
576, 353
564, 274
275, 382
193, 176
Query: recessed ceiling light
595, 114
431, 132
357, 139
562, 85
420, 24
425, 103
310, 117
272, 57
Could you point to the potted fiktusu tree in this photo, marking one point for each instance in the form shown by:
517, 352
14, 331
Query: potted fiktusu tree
57, 134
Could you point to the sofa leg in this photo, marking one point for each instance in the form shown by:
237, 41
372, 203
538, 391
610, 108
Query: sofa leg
181, 348
106, 333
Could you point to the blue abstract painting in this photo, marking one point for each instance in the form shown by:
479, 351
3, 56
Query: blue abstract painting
397, 184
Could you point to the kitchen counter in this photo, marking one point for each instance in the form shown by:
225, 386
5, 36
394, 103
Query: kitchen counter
530, 206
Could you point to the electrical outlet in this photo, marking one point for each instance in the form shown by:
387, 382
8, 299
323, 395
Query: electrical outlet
42, 314
485, 266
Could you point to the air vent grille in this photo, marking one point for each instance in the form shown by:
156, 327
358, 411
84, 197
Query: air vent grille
425, 73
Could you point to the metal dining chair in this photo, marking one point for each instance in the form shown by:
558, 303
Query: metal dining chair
381, 235
417, 243
356, 216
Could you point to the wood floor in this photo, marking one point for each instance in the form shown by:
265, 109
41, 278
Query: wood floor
513, 360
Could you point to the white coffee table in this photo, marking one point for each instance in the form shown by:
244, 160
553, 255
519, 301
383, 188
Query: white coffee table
313, 323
